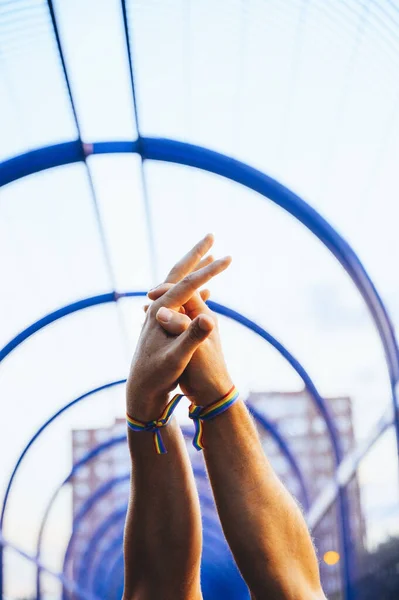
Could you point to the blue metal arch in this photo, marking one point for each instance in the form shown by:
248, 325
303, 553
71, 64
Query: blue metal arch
113, 554
108, 485
96, 496
118, 515
114, 550
194, 156
122, 439
218, 308
214, 162
104, 578
198, 472
217, 548
114, 518
113, 297
117, 519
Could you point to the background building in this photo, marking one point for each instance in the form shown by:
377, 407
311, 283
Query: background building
298, 420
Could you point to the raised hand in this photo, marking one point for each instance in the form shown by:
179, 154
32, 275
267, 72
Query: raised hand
160, 359
205, 378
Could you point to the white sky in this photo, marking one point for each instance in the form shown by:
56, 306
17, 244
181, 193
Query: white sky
307, 91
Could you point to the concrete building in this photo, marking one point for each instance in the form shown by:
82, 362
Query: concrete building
304, 429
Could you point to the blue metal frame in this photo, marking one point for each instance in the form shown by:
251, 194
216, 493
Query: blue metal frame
116, 571
194, 156
118, 517
198, 472
95, 497
218, 308
268, 426
113, 297
98, 494
214, 162
114, 551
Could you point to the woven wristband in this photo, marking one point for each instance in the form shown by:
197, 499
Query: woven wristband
205, 413
155, 425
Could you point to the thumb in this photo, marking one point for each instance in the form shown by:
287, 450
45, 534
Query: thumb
186, 344
172, 321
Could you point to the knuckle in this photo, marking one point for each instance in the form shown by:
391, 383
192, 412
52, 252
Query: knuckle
195, 332
152, 310
198, 252
189, 280
170, 359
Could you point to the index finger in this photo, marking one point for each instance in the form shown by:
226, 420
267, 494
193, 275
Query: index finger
190, 260
180, 293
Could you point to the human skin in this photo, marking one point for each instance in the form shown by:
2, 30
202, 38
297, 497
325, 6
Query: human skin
263, 524
163, 537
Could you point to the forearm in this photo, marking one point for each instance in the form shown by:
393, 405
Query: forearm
163, 527
262, 523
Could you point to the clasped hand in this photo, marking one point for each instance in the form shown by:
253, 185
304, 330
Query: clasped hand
179, 342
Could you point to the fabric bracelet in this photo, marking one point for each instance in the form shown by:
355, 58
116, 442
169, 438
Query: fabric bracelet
155, 425
205, 413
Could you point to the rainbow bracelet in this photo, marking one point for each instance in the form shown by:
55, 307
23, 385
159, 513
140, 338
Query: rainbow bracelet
156, 424
200, 413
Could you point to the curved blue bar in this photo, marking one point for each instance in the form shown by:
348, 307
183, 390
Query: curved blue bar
86, 506
35, 161
194, 156
117, 440
41, 429
112, 297
85, 571
113, 519
62, 312
95, 497
214, 162
118, 515
113, 551
319, 401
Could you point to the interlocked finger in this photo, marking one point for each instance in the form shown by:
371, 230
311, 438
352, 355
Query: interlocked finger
181, 292
184, 266
205, 294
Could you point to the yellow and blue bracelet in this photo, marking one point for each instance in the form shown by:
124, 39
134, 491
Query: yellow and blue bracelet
155, 425
205, 413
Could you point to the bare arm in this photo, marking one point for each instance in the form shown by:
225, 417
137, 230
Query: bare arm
163, 538
262, 523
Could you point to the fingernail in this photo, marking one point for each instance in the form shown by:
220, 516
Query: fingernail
164, 314
154, 288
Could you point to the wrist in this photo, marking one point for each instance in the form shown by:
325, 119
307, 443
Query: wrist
211, 392
145, 406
